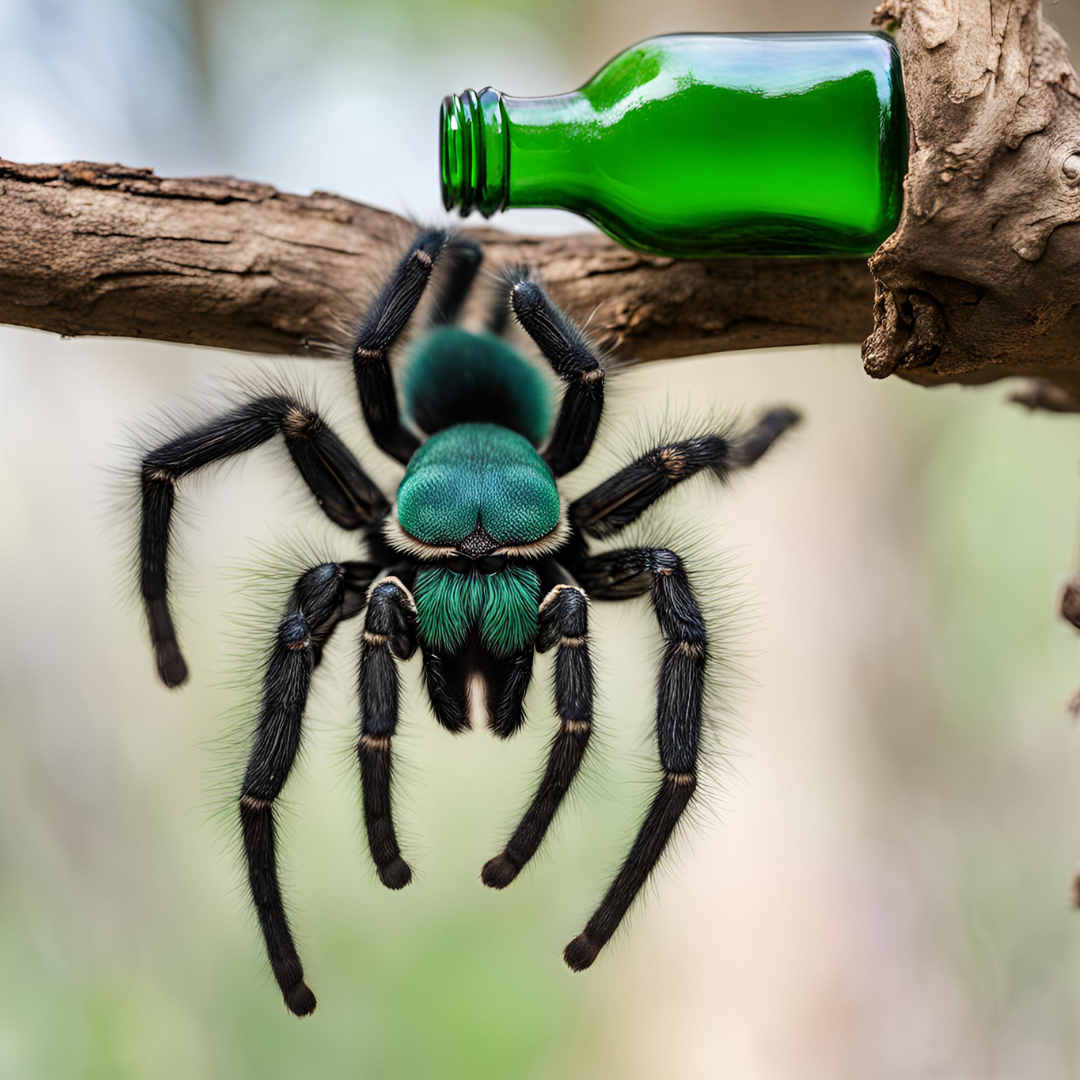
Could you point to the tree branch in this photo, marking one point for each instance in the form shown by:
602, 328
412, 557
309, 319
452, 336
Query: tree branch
102, 249
980, 280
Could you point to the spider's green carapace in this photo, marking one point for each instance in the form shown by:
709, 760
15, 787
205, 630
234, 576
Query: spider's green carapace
478, 476
477, 480
488, 480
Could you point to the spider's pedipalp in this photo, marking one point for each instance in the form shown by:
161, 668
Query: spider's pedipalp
346, 494
383, 325
389, 635
617, 575
564, 625
318, 602
564, 347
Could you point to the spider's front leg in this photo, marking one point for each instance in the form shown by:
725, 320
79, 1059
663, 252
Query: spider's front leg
322, 597
389, 635
564, 621
618, 575
565, 347
382, 326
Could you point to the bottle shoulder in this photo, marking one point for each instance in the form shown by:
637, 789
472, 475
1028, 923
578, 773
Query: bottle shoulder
759, 63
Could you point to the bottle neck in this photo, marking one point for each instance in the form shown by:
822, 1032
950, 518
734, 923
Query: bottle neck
499, 151
475, 152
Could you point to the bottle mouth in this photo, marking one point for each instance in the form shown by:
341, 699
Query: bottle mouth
474, 152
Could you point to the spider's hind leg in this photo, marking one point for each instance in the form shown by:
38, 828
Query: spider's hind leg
322, 597
459, 265
382, 326
618, 575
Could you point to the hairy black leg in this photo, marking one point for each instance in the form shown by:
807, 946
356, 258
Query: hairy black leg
345, 492
564, 621
321, 598
458, 268
389, 633
381, 328
565, 347
621, 499
615, 576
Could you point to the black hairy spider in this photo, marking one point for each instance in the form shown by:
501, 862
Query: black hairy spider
477, 562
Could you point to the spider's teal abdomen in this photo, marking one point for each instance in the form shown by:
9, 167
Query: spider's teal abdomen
477, 474
456, 377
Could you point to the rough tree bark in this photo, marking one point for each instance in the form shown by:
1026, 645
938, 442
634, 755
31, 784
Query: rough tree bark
979, 281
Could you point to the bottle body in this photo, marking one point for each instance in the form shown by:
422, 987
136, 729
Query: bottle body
702, 144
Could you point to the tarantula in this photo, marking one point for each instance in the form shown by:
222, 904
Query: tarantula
478, 563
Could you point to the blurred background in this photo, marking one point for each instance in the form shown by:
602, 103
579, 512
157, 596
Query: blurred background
879, 886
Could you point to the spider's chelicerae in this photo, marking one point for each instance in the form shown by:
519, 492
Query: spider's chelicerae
477, 562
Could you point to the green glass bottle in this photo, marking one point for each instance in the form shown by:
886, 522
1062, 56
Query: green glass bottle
701, 144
